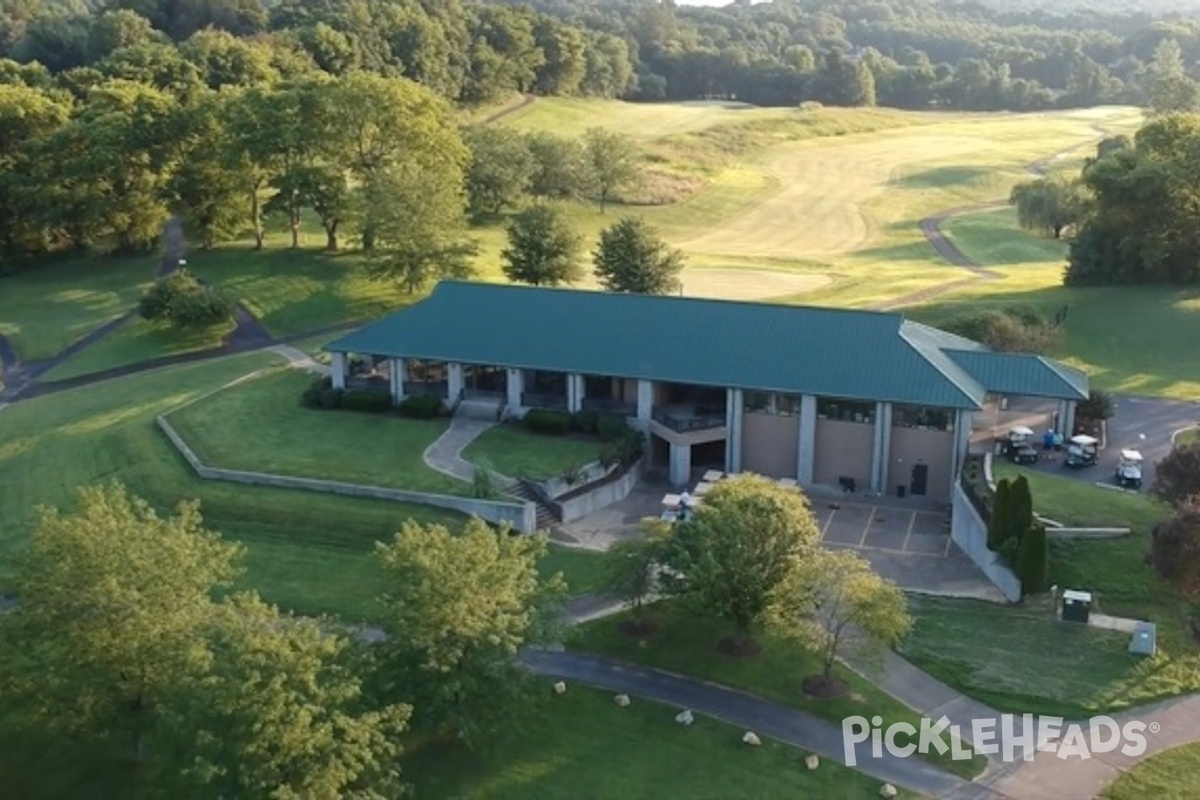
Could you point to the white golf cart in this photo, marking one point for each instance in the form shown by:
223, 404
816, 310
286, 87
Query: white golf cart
1083, 451
1019, 447
1129, 469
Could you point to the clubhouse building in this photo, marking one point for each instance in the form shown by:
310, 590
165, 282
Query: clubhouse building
863, 400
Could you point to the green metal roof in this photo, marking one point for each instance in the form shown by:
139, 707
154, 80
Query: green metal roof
831, 352
1022, 374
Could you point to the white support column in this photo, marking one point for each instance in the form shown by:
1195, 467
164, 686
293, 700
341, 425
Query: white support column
645, 401
806, 450
454, 382
399, 371
680, 470
1069, 425
574, 392
881, 451
337, 371
734, 406
516, 387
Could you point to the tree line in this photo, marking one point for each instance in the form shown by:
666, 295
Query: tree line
910, 54
1133, 213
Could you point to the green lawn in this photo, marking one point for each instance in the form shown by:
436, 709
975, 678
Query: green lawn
582, 745
1020, 660
515, 451
48, 306
1189, 436
1166, 776
994, 238
135, 342
686, 643
261, 426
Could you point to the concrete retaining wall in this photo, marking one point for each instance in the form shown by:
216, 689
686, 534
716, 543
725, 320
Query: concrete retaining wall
520, 515
588, 473
1086, 533
970, 534
610, 490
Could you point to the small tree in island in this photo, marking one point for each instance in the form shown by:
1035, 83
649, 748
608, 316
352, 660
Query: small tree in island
742, 546
631, 572
835, 600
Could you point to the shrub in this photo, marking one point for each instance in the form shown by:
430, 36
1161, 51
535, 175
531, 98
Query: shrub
611, 427
483, 484
182, 300
572, 474
1033, 561
330, 398
370, 402
1099, 405
585, 421
1175, 547
1008, 330
311, 397
421, 406
1001, 513
553, 423
1177, 477
623, 450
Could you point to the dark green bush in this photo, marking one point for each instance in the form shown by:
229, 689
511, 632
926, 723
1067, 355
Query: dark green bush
370, 402
421, 406
611, 427
1033, 561
182, 300
1009, 330
311, 398
331, 398
585, 421
552, 423
624, 449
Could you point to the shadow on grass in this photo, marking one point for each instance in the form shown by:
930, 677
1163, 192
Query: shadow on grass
940, 177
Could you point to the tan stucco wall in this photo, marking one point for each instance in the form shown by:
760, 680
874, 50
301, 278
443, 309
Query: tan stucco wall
843, 448
770, 444
910, 445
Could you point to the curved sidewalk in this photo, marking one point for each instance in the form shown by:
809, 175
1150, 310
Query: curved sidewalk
445, 454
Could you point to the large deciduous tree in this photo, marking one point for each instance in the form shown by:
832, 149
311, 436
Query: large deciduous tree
632, 257
612, 160
834, 599
1049, 205
1175, 546
742, 546
1177, 476
559, 167
543, 249
500, 169
457, 610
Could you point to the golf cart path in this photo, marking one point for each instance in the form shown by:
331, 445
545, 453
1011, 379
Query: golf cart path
931, 229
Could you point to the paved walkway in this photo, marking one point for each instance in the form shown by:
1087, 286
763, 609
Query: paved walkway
445, 454
298, 359
753, 713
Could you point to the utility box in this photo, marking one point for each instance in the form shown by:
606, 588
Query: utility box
1144, 639
1076, 606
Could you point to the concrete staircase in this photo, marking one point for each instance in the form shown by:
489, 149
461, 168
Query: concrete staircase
546, 517
480, 407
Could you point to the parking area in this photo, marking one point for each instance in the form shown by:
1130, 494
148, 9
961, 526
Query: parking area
891, 530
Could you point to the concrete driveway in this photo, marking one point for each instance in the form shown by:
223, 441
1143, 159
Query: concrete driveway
906, 544
1155, 417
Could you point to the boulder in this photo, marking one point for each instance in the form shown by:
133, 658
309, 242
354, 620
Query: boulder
887, 790
813, 761
684, 717
751, 738
560, 688
622, 700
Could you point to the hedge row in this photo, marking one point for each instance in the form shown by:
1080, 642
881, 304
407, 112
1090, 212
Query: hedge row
322, 395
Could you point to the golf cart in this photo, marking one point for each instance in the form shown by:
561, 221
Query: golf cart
1129, 469
1018, 447
1082, 452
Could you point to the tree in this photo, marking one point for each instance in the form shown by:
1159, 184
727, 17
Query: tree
612, 161
1033, 561
182, 300
1175, 547
457, 610
631, 568
998, 522
499, 171
631, 257
115, 601
543, 250
1020, 508
559, 168
281, 713
739, 549
1177, 476
1098, 406
835, 598
1049, 204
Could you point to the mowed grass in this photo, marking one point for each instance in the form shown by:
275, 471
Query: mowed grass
686, 643
1167, 776
1131, 339
308, 552
572, 117
1189, 436
136, 342
260, 425
48, 306
582, 745
514, 451
1021, 660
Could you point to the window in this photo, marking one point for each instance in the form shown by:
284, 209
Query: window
937, 419
757, 401
787, 405
845, 410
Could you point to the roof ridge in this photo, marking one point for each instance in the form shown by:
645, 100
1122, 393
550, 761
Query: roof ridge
920, 348
660, 297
